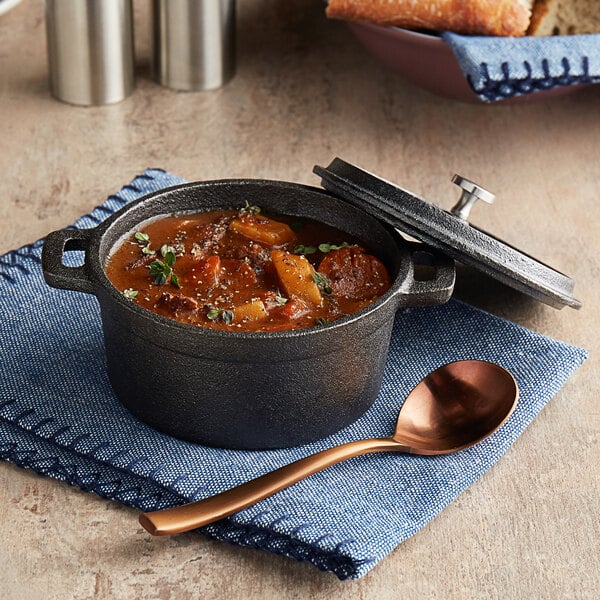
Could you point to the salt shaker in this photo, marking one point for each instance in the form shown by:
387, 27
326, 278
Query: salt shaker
90, 50
193, 43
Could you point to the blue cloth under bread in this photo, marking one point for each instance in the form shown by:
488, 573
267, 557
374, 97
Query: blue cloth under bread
498, 68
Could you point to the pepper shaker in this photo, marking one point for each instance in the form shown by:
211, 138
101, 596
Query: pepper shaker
193, 43
90, 50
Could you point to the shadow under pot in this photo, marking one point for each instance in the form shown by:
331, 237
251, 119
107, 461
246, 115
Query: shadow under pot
246, 390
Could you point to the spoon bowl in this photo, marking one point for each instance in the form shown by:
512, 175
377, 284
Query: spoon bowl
452, 408
456, 406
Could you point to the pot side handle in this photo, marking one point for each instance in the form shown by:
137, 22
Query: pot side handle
56, 273
430, 279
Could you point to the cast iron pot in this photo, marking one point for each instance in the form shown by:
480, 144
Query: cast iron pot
235, 389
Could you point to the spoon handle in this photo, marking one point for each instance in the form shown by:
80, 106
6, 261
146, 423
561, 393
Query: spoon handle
197, 514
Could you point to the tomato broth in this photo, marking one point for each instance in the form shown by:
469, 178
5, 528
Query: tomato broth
246, 271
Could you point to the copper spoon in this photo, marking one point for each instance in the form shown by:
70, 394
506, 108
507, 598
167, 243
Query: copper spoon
452, 408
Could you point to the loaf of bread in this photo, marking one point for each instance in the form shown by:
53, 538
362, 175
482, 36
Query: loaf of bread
565, 17
475, 17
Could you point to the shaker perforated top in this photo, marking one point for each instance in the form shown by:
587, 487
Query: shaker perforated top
449, 231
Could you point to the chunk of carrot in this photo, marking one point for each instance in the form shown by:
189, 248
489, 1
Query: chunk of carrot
207, 270
293, 309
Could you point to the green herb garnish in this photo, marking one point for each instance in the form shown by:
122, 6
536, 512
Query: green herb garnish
322, 282
321, 321
164, 250
325, 248
143, 239
130, 293
280, 300
162, 271
301, 249
251, 209
214, 314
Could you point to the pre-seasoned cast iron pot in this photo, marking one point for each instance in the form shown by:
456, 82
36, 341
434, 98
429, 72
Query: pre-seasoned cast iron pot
235, 389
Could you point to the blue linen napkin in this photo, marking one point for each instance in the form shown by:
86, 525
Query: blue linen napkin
498, 68
59, 417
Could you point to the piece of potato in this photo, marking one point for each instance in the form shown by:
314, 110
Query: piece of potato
296, 276
264, 230
250, 311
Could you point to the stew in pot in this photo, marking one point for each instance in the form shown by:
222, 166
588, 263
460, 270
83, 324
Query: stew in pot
245, 271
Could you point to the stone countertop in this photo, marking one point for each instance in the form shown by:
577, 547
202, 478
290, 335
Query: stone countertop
306, 91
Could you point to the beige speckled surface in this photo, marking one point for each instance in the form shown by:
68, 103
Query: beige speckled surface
304, 92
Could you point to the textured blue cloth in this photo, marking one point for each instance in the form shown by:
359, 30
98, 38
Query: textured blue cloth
503, 67
59, 417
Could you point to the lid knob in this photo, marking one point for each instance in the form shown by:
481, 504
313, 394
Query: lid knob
470, 194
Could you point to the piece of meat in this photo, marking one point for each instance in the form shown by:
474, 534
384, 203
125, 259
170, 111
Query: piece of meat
178, 302
210, 236
355, 274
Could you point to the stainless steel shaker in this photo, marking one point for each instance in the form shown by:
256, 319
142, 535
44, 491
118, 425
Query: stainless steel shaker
193, 43
90, 50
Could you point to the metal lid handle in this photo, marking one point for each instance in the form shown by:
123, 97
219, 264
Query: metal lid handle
471, 193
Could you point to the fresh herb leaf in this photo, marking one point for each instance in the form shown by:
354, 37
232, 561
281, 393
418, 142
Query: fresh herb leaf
170, 258
158, 267
160, 279
321, 321
142, 237
162, 271
251, 209
325, 248
130, 293
165, 249
301, 249
214, 314
280, 300
323, 282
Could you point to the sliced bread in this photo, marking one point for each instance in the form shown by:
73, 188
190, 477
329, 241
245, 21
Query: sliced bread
565, 17
475, 17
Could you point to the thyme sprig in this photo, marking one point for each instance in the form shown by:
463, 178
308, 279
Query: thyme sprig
302, 249
324, 248
322, 282
130, 293
216, 314
251, 209
143, 239
161, 271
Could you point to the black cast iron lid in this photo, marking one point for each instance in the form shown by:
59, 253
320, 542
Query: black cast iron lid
449, 231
